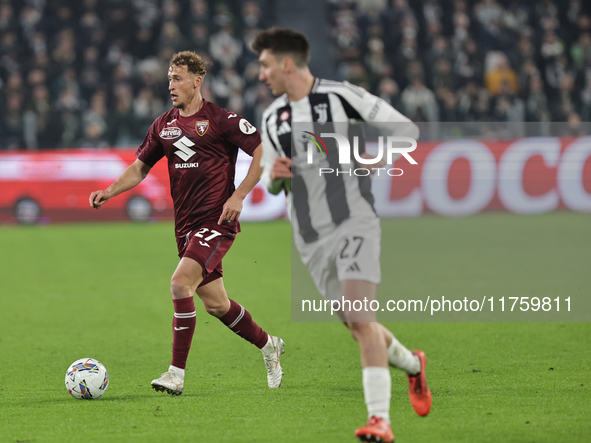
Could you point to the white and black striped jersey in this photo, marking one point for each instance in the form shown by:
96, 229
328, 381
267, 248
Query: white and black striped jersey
318, 203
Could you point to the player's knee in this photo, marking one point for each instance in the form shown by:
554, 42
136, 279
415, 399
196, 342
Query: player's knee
180, 288
360, 329
216, 309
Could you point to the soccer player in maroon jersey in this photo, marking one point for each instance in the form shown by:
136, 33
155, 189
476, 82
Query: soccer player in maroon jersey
200, 142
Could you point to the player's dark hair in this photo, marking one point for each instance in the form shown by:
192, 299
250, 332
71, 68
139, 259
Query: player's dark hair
284, 42
192, 61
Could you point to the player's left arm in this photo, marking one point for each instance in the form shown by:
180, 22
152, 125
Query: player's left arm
361, 105
233, 206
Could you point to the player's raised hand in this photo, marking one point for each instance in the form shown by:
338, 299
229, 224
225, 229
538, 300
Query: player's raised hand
281, 168
98, 198
231, 210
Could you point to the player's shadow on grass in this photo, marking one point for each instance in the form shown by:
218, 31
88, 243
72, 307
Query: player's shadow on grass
141, 396
106, 397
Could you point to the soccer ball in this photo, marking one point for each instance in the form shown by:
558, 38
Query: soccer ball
87, 378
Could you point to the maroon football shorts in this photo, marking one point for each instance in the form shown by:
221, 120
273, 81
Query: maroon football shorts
207, 245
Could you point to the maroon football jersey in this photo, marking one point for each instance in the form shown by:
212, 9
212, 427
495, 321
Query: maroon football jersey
201, 152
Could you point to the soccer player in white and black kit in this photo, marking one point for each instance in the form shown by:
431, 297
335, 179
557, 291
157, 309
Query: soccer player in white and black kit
331, 213
200, 142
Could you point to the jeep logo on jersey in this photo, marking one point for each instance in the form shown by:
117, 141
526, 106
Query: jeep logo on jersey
184, 148
246, 127
170, 133
202, 127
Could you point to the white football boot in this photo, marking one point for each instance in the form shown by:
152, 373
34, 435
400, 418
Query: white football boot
169, 382
272, 354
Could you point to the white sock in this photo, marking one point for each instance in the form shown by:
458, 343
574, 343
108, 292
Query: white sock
402, 358
268, 348
377, 388
180, 373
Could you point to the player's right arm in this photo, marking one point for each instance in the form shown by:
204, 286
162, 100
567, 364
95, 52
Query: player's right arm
130, 178
276, 174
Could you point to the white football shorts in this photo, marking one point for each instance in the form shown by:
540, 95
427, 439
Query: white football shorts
350, 252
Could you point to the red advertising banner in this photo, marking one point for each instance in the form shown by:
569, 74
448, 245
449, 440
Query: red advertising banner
452, 178
54, 186
463, 177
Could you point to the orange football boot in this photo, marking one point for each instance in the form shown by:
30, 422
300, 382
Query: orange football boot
418, 391
375, 430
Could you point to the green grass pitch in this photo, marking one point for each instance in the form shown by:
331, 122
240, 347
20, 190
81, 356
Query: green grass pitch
102, 291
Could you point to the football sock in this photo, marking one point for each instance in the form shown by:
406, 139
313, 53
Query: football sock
183, 327
400, 357
377, 388
240, 322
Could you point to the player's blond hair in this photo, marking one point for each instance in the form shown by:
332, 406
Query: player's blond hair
191, 60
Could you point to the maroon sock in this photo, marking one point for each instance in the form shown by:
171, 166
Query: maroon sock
183, 327
240, 322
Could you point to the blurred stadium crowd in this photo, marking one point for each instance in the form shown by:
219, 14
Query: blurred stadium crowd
462, 60
92, 73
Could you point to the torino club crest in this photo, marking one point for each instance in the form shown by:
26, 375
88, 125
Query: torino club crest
201, 127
